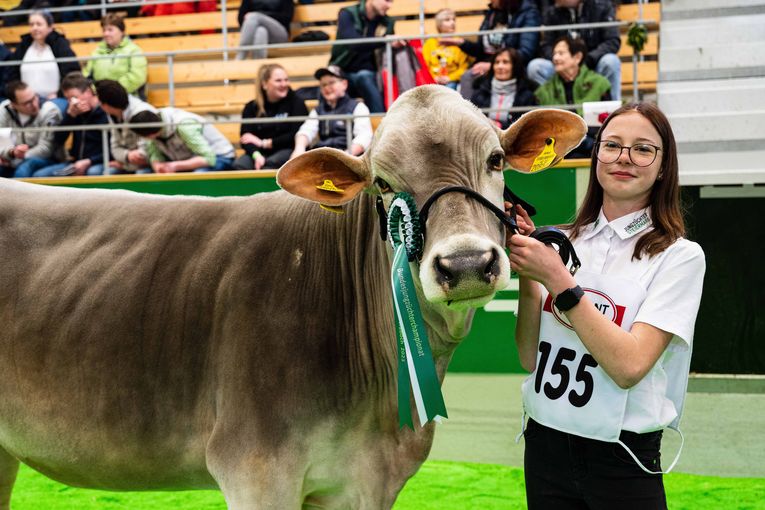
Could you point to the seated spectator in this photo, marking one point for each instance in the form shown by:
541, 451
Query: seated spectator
5, 54
263, 22
268, 146
130, 72
358, 61
574, 83
178, 8
185, 143
128, 152
86, 156
505, 86
602, 44
446, 63
333, 133
30, 151
37, 50
501, 14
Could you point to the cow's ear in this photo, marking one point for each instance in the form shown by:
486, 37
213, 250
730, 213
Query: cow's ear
540, 139
327, 176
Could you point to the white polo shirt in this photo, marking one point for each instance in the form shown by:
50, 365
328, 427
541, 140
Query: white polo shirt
673, 282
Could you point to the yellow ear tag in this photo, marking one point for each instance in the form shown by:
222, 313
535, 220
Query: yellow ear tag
332, 208
546, 157
330, 186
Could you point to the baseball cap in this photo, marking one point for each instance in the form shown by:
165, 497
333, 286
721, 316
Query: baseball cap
331, 70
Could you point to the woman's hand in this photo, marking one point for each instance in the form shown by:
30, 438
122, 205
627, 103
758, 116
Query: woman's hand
522, 219
532, 259
251, 139
259, 161
480, 68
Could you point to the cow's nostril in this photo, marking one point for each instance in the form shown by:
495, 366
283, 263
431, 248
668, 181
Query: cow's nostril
443, 269
491, 269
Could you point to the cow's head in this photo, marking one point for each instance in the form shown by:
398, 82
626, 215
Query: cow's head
430, 139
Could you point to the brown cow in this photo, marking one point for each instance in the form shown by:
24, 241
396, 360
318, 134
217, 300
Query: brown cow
155, 342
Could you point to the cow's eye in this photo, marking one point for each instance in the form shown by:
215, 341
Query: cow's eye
383, 186
496, 162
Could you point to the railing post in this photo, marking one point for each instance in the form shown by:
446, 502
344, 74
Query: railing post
349, 132
103, 8
224, 30
422, 17
105, 149
170, 79
389, 69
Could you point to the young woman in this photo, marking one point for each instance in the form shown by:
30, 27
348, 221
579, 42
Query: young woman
505, 86
609, 348
37, 50
268, 146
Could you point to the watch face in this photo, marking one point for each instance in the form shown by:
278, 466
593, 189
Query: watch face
567, 299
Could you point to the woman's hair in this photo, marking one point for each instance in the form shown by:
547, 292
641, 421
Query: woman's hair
664, 201
44, 14
575, 45
113, 19
519, 70
264, 74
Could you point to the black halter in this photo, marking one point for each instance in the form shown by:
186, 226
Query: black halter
547, 235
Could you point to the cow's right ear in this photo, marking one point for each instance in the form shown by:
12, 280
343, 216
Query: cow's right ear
540, 139
326, 176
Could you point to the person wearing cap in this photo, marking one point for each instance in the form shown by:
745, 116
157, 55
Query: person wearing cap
333, 100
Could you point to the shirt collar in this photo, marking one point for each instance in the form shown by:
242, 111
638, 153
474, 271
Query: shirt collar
625, 227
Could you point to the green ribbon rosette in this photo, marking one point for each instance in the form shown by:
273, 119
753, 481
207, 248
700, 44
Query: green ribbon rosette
416, 370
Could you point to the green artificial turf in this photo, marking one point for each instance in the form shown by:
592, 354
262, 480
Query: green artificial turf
438, 485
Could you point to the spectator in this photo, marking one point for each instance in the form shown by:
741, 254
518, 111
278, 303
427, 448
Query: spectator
501, 14
446, 63
128, 153
184, 143
33, 150
37, 50
263, 22
505, 86
574, 83
359, 62
178, 8
130, 71
86, 156
5, 54
333, 133
268, 146
602, 44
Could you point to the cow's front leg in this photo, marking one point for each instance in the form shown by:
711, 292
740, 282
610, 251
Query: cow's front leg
9, 466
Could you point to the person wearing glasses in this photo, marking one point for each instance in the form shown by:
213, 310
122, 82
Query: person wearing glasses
609, 347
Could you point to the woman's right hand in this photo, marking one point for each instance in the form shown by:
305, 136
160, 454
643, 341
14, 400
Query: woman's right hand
259, 161
249, 138
522, 219
480, 68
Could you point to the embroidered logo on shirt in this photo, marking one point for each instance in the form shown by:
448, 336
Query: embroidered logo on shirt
638, 223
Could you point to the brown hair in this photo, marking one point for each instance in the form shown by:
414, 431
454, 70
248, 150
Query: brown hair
575, 45
519, 70
664, 201
114, 20
264, 74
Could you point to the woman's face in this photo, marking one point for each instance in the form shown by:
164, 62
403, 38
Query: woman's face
277, 85
503, 66
39, 28
564, 62
113, 36
623, 181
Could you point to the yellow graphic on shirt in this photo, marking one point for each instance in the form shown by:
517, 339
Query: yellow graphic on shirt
546, 157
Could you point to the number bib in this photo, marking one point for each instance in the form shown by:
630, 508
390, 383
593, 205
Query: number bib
568, 391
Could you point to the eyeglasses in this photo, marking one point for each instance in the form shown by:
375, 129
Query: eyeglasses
641, 154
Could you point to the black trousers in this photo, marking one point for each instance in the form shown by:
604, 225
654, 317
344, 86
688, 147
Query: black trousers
565, 471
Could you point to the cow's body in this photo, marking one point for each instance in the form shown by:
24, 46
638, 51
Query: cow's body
181, 342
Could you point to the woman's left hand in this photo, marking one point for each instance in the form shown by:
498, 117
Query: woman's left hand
533, 259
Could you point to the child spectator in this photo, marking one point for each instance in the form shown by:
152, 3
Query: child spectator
333, 133
445, 63
86, 156
128, 152
130, 71
30, 151
185, 143
268, 146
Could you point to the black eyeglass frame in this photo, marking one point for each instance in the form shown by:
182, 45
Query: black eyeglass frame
629, 152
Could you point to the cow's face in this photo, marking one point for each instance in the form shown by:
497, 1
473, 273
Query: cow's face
431, 139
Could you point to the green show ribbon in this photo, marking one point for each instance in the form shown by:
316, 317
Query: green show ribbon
416, 370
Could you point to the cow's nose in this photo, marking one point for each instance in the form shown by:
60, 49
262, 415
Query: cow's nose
455, 268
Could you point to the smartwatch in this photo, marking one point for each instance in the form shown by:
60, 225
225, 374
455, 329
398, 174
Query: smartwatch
568, 299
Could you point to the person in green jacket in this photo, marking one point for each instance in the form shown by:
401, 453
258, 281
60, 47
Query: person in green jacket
130, 71
573, 83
